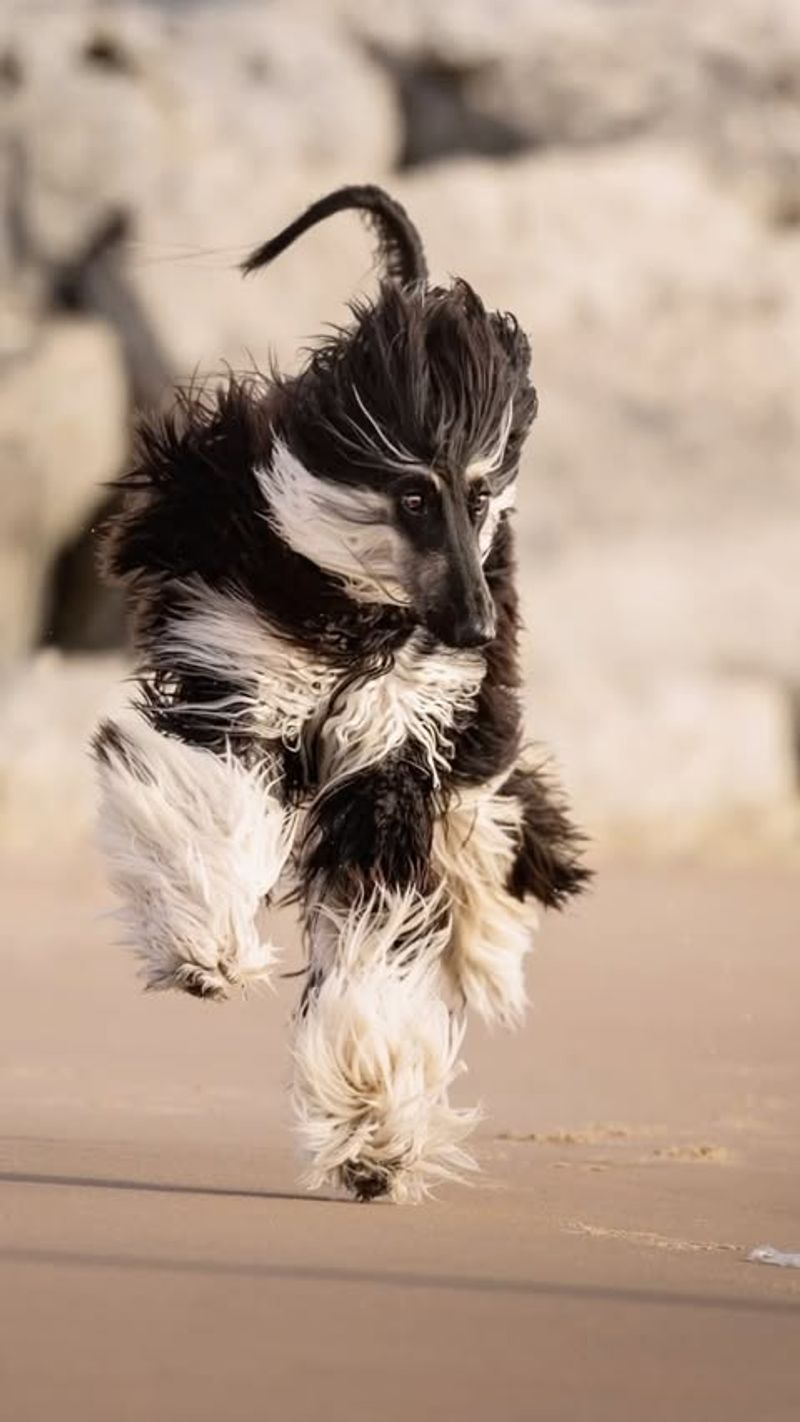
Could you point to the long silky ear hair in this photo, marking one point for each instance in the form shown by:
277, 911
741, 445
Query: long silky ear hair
399, 243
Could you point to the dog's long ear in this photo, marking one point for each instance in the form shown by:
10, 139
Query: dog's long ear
399, 242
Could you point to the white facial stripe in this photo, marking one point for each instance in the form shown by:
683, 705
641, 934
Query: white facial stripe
498, 505
345, 531
507, 497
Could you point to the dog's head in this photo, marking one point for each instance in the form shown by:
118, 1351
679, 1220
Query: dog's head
397, 448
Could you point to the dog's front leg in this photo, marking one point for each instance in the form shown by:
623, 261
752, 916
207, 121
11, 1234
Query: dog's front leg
504, 843
376, 1046
194, 841
503, 851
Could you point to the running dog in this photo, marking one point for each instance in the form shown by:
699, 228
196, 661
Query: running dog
320, 571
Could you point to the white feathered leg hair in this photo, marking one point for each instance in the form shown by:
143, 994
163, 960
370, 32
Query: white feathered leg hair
474, 847
194, 841
376, 1049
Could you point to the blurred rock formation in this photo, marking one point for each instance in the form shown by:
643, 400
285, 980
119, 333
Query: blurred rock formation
623, 174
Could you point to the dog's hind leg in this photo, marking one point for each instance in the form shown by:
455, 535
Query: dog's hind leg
376, 1049
194, 842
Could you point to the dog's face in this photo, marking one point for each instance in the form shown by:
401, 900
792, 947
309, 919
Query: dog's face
397, 454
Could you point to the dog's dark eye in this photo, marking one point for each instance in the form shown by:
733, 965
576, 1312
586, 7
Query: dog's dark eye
414, 503
479, 503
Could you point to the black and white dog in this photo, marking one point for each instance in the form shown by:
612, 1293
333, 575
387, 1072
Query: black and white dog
321, 571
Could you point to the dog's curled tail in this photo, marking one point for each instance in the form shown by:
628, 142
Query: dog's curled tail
400, 244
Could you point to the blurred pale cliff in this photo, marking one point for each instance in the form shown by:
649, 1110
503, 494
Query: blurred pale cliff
622, 174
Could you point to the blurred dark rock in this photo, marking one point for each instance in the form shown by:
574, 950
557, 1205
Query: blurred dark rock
440, 118
721, 77
80, 612
63, 431
94, 282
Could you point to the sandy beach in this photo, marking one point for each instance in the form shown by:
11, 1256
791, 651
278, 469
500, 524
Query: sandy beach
160, 1261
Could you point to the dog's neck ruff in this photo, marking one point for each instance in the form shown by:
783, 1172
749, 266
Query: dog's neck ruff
417, 694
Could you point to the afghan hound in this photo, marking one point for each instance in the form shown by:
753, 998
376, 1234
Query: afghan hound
320, 571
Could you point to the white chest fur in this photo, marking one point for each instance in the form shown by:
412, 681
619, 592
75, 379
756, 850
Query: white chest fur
419, 696
222, 635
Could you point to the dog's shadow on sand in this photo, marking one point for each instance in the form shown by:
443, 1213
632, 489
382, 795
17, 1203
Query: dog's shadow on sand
165, 1187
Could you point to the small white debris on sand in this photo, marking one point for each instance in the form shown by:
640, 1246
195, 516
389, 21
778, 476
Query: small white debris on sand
768, 1254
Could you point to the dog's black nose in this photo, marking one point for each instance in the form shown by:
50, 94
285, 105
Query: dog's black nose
474, 636
471, 630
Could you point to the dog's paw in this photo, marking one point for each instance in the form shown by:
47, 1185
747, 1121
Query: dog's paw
194, 843
171, 970
205, 983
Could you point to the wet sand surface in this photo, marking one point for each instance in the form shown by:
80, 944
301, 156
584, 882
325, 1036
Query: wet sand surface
158, 1259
